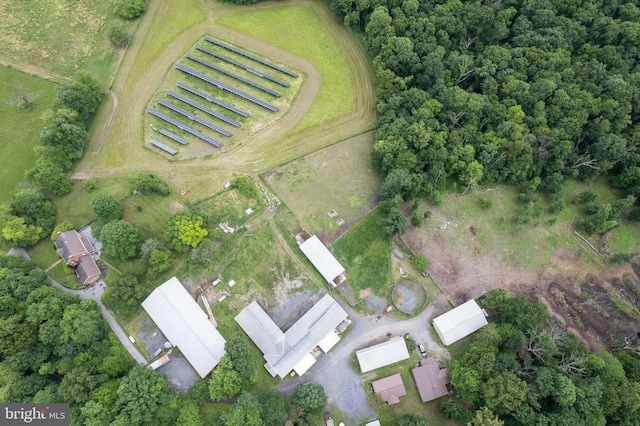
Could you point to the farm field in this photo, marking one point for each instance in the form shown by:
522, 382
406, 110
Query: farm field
18, 140
117, 143
56, 38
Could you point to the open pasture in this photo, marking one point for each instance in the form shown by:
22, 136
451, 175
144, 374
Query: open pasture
57, 36
330, 189
16, 139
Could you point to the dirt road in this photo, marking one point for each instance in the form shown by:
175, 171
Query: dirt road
348, 394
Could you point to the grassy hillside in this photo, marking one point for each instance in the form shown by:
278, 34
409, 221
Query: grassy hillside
20, 127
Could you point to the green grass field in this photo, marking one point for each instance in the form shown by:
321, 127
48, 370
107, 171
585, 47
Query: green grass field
58, 36
339, 177
303, 33
365, 253
17, 139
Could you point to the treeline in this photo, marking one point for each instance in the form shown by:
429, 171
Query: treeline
29, 216
526, 369
484, 92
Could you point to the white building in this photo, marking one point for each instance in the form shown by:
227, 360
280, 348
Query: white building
291, 350
322, 259
382, 354
459, 322
185, 325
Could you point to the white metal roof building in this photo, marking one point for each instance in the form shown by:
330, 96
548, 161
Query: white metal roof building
459, 322
185, 325
376, 356
291, 350
322, 259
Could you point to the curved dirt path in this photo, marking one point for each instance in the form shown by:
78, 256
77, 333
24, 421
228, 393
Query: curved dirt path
123, 116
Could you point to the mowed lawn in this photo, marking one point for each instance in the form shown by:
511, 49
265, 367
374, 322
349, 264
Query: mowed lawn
299, 30
59, 36
339, 178
19, 128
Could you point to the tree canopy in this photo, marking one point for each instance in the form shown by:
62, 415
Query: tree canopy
107, 208
483, 92
184, 230
120, 239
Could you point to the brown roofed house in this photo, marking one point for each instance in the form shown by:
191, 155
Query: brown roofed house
76, 250
431, 380
390, 389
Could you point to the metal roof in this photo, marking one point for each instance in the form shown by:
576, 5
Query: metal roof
185, 325
431, 380
376, 356
390, 388
285, 351
322, 259
459, 322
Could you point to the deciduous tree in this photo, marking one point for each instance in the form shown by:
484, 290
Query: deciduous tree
120, 239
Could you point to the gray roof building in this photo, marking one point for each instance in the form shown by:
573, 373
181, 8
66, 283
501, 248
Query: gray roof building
376, 356
87, 270
322, 259
76, 250
291, 350
185, 325
459, 322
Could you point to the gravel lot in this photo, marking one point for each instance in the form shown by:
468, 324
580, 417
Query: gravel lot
344, 388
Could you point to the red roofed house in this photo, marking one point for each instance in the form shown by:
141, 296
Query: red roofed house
390, 389
76, 250
431, 380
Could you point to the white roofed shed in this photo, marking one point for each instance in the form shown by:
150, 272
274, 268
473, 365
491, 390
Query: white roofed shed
322, 259
459, 322
376, 356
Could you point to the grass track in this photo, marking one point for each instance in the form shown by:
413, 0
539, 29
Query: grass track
116, 146
16, 139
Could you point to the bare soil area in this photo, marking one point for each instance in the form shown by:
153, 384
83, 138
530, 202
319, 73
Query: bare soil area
602, 308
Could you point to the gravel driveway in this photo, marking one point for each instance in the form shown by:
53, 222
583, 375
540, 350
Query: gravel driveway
344, 388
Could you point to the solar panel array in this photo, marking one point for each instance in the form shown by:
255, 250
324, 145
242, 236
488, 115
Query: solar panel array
204, 108
213, 100
184, 127
163, 147
243, 66
173, 136
194, 117
250, 56
233, 75
222, 86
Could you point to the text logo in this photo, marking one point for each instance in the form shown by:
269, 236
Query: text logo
34, 414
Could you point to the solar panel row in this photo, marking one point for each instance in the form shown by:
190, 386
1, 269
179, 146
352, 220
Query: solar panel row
184, 127
232, 75
250, 56
163, 147
213, 100
194, 117
173, 136
204, 108
243, 66
228, 88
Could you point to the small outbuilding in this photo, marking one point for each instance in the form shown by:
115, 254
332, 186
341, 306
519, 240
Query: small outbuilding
431, 380
323, 260
382, 354
390, 389
459, 322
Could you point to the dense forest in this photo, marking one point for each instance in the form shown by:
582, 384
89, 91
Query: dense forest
526, 369
502, 91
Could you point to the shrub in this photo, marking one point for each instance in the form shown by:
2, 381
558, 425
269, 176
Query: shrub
416, 221
118, 34
587, 196
450, 409
149, 184
419, 262
130, 9
90, 185
485, 202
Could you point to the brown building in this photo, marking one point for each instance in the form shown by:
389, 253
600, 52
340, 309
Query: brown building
431, 380
390, 389
76, 250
